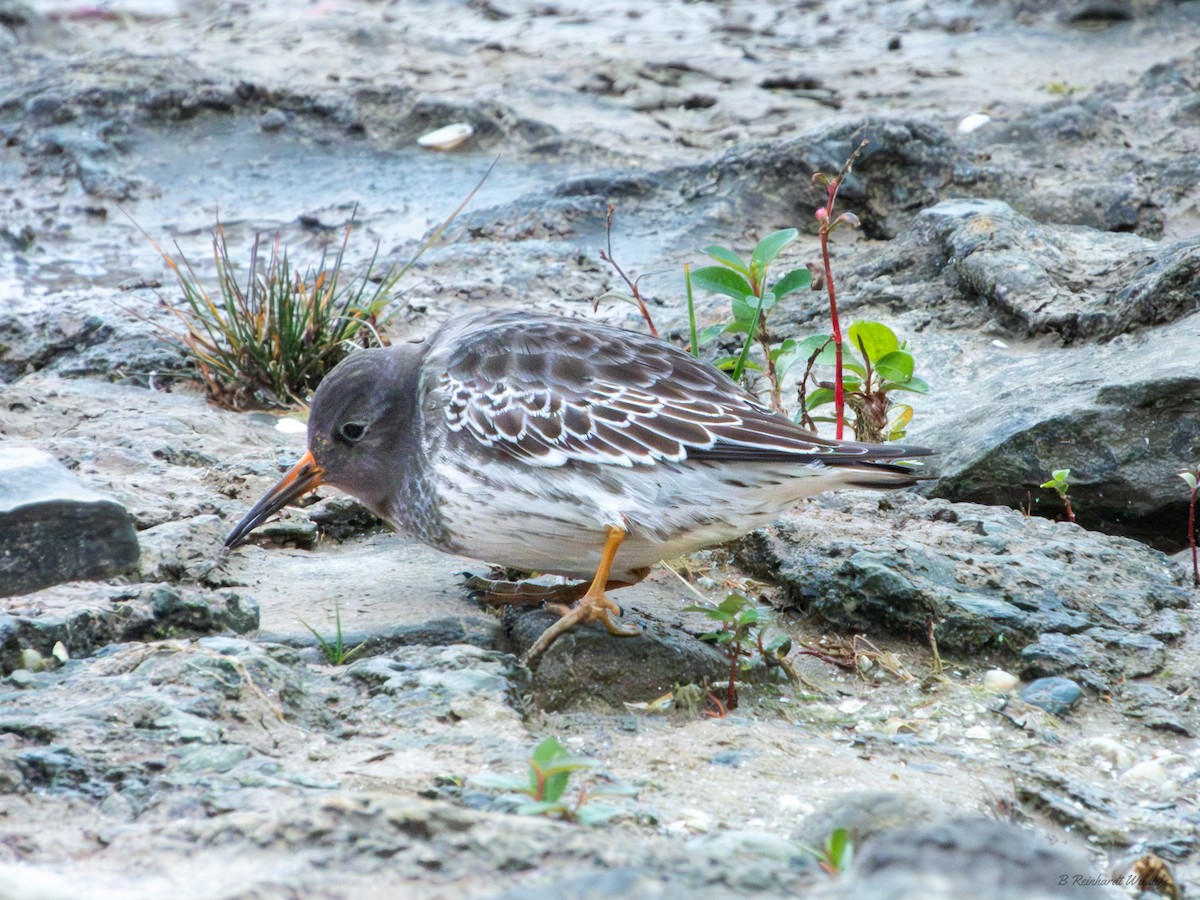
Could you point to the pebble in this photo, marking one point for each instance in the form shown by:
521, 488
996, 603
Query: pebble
1055, 694
978, 733
1000, 681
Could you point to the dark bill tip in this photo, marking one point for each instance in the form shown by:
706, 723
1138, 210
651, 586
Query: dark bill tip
303, 477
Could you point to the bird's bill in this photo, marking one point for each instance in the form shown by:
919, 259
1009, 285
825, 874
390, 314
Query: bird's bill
303, 477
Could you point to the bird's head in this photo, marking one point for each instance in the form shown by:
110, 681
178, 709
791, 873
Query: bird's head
360, 434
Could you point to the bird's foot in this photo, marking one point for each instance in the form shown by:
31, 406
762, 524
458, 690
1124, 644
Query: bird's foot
592, 607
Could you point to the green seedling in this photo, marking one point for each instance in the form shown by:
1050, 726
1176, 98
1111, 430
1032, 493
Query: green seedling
746, 284
1059, 484
543, 791
335, 651
1192, 479
879, 365
742, 638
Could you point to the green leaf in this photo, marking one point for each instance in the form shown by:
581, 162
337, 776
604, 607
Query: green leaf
545, 753
727, 257
840, 849
733, 603
914, 384
898, 423
768, 248
854, 367
795, 280
748, 616
819, 397
722, 281
1189, 478
729, 363
895, 366
711, 332
877, 339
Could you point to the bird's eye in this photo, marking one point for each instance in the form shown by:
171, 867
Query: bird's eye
352, 431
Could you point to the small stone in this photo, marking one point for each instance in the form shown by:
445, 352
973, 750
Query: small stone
1000, 681
1056, 695
978, 733
273, 120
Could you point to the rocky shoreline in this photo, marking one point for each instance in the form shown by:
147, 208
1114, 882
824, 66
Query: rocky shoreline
168, 722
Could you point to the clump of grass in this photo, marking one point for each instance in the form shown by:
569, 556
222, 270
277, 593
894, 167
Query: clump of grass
334, 649
266, 338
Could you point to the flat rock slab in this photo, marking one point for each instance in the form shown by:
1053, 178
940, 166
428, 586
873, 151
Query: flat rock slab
989, 579
53, 528
86, 617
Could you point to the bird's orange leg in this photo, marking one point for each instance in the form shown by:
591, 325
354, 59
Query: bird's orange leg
591, 607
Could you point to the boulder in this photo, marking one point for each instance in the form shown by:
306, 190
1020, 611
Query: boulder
53, 528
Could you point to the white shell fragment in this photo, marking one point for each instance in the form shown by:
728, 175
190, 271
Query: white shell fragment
289, 425
447, 137
973, 122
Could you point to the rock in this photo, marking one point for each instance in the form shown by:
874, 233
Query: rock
587, 667
966, 856
904, 169
991, 580
53, 528
865, 814
85, 618
1036, 278
182, 550
1055, 695
999, 681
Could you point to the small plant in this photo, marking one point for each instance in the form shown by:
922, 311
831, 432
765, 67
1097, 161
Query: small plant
1192, 479
826, 223
335, 651
746, 284
883, 364
742, 638
543, 791
266, 339
1059, 484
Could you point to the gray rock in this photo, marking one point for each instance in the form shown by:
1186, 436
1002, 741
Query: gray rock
1056, 695
1079, 283
969, 856
865, 814
990, 579
588, 667
53, 528
183, 550
86, 618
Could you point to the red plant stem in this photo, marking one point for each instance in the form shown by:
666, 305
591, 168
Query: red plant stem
1192, 540
839, 391
1070, 512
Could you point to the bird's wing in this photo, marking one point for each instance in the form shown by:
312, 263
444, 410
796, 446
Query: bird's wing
550, 390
